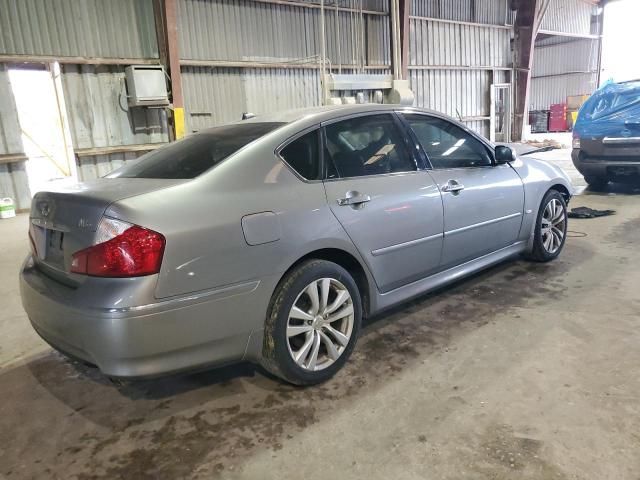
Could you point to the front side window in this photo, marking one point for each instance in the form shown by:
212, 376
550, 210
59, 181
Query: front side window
370, 145
196, 154
302, 155
446, 144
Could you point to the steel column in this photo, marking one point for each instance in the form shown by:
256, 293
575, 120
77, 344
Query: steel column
166, 15
527, 24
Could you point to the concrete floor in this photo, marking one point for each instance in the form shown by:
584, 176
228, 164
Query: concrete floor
526, 371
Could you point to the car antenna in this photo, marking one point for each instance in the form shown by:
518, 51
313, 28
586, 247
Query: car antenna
247, 115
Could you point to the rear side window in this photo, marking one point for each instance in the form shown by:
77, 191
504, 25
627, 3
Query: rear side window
302, 155
371, 145
196, 154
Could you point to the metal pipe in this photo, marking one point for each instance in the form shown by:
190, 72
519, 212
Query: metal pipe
294, 3
77, 60
338, 39
323, 47
460, 22
394, 38
311, 65
458, 67
363, 54
323, 52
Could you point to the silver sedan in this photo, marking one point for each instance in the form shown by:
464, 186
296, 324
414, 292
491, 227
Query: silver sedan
270, 239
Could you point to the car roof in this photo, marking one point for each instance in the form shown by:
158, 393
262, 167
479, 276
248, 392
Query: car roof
314, 115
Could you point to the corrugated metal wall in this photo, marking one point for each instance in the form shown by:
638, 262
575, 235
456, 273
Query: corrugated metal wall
98, 112
568, 16
563, 64
14, 183
475, 54
95, 100
219, 95
245, 30
99, 165
10, 137
100, 117
70, 28
477, 11
371, 5
255, 31
579, 55
563, 69
13, 176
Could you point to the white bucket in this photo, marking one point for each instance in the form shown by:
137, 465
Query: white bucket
7, 209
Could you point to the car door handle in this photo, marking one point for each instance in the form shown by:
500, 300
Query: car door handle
453, 186
353, 198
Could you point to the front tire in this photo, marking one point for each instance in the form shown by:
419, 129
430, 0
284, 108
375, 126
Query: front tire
551, 228
312, 323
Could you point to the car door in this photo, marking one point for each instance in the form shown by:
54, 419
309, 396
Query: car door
388, 205
483, 202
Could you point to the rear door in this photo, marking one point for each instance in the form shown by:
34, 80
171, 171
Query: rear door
389, 207
483, 203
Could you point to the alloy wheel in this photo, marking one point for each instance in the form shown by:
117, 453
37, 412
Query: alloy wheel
320, 324
553, 225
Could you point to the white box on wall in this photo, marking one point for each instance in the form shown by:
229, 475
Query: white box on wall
146, 85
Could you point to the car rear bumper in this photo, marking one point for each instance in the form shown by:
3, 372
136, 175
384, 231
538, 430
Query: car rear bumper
606, 167
168, 336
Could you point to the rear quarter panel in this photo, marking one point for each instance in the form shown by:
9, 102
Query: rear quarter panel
202, 222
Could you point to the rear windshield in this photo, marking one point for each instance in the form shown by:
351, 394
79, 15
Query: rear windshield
196, 154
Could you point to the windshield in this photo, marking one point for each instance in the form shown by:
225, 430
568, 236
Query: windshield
196, 154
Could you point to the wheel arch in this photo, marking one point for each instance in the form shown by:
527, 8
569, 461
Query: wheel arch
564, 191
347, 261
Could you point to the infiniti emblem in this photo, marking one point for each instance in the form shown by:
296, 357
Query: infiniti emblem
44, 209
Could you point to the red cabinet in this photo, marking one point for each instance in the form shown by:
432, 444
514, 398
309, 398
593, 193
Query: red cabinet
558, 118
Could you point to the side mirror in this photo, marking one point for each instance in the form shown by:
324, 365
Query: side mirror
504, 154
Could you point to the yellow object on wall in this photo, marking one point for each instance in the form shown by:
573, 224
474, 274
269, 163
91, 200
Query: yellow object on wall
178, 122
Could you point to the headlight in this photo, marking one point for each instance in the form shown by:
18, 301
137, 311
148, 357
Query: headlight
576, 142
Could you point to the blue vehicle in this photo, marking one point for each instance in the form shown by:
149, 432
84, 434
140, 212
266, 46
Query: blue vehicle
606, 136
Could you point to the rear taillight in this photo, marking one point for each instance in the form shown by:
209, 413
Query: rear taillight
121, 250
576, 141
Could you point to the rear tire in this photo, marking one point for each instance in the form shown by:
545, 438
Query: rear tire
309, 336
551, 228
597, 183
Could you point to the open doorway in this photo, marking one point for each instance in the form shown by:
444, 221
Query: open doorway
620, 34
45, 132
500, 121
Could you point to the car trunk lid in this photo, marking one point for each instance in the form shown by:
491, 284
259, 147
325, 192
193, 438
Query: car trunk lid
64, 220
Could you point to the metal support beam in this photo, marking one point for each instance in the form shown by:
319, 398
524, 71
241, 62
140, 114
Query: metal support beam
166, 17
283, 65
45, 59
405, 11
527, 24
394, 34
